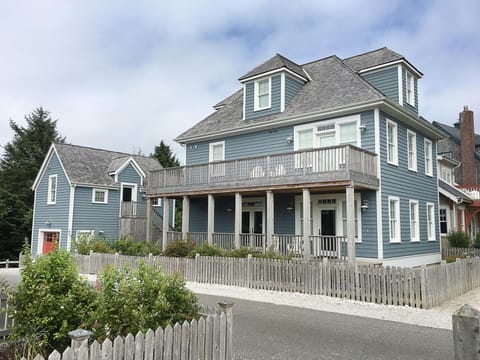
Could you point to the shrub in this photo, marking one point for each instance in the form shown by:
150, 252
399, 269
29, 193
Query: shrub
128, 246
458, 239
136, 300
271, 254
476, 242
206, 250
97, 245
241, 252
50, 301
179, 248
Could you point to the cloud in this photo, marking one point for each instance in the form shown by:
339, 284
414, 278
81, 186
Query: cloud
124, 75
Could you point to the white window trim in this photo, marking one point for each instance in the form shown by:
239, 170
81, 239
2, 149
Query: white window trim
417, 224
395, 140
412, 167
410, 84
51, 179
432, 236
256, 105
105, 191
397, 238
157, 202
428, 169
210, 150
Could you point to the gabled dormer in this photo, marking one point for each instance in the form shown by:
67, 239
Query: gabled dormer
270, 87
391, 74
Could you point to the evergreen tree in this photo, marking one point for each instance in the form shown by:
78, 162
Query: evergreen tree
164, 155
19, 166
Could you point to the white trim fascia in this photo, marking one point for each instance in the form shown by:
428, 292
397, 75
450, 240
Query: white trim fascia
413, 260
33, 218
40, 238
400, 84
376, 121
282, 92
44, 165
273, 72
98, 186
244, 100
71, 208
136, 167
397, 62
173, 214
447, 194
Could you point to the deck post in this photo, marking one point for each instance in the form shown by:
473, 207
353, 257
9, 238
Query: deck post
306, 224
270, 218
238, 219
211, 219
165, 222
350, 198
149, 219
185, 217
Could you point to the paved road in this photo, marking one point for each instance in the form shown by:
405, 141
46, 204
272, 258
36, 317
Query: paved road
266, 331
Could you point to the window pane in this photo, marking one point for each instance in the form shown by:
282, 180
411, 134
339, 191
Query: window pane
263, 87
99, 196
327, 140
348, 133
305, 139
263, 101
217, 152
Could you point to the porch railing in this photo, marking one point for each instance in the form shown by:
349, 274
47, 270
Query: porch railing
472, 191
128, 209
338, 159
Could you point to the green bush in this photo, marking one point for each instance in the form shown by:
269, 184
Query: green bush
128, 246
179, 248
241, 252
136, 300
97, 245
476, 242
458, 239
206, 250
50, 301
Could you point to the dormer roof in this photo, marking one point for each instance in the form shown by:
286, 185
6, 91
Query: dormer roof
276, 63
377, 58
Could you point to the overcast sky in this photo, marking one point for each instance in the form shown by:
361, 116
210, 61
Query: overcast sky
123, 75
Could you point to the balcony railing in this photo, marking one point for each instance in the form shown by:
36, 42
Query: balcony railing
472, 191
336, 163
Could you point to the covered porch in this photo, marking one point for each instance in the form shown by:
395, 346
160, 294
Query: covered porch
265, 210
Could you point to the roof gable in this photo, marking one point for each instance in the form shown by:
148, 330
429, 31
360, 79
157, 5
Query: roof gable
51, 152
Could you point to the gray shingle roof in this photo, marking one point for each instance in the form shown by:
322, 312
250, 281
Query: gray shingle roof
274, 63
454, 191
454, 132
86, 165
333, 85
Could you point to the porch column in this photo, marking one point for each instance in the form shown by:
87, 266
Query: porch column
238, 219
149, 220
270, 218
185, 217
165, 222
350, 224
211, 219
306, 224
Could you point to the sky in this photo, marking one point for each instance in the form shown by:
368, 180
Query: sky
124, 75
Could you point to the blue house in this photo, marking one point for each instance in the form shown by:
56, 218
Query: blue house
329, 158
82, 192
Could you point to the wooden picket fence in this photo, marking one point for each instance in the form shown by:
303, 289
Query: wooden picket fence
208, 338
460, 252
420, 287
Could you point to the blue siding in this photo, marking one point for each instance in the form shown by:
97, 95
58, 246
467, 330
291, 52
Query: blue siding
275, 99
407, 185
171, 208
368, 135
368, 248
130, 175
292, 87
56, 214
284, 221
406, 105
97, 217
198, 215
385, 80
224, 220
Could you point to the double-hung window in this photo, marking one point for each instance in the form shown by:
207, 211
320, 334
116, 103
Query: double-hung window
412, 150
428, 158
392, 143
414, 225
100, 196
394, 218
443, 214
216, 156
431, 221
410, 89
52, 190
262, 94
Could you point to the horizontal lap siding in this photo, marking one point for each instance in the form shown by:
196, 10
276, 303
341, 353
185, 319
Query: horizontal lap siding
275, 99
130, 175
386, 81
56, 214
97, 217
408, 185
198, 214
224, 220
292, 87
284, 221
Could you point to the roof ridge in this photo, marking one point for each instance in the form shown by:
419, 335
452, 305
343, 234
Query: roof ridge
369, 52
318, 60
92, 148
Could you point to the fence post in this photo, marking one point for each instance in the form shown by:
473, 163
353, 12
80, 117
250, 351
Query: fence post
197, 260
227, 308
249, 270
79, 337
466, 337
90, 262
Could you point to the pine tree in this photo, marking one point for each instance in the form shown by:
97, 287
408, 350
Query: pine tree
164, 155
19, 165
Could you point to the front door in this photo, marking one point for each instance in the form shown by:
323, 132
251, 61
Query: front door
50, 241
327, 222
252, 224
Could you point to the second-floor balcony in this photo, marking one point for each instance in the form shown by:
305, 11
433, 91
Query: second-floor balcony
328, 166
473, 191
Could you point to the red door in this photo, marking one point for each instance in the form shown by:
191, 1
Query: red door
50, 241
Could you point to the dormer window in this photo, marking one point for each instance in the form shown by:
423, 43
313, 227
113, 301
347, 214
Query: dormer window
410, 89
262, 94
